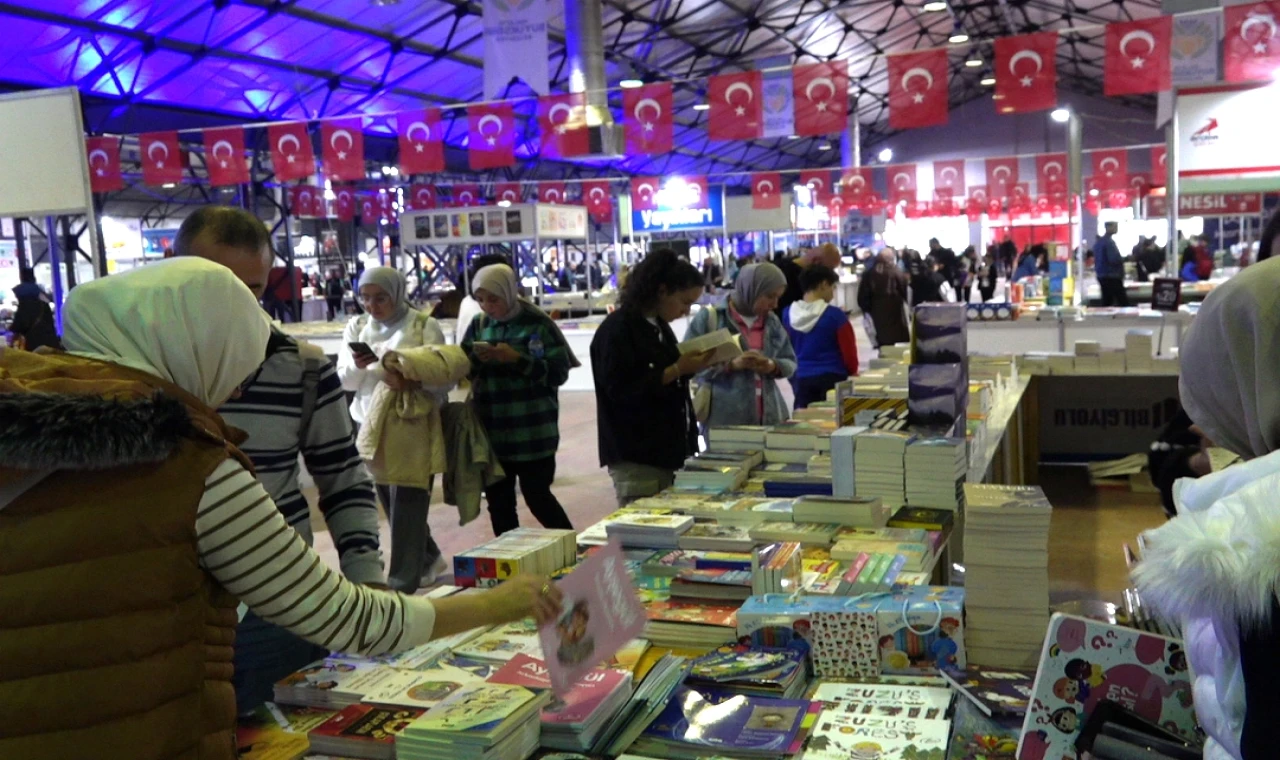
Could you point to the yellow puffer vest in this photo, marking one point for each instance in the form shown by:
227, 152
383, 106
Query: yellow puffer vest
114, 642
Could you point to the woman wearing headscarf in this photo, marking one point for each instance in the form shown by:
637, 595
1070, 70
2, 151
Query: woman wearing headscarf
519, 360
882, 297
131, 524
390, 323
745, 391
1215, 568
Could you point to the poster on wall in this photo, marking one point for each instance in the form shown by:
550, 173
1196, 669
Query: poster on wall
1221, 136
470, 226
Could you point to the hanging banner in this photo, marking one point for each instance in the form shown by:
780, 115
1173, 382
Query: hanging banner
1207, 204
515, 45
1220, 134
779, 105
1193, 48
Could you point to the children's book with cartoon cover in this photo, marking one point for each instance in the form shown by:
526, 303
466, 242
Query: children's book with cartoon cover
700, 722
504, 642
841, 736
994, 691
479, 714
1085, 662
427, 688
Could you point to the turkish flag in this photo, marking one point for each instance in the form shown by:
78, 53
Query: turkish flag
551, 192
978, 194
644, 191
161, 158
387, 203
994, 207
902, 183
1250, 50
467, 194
948, 179
511, 192
1026, 72
421, 142
302, 199
491, 137
291, 153
1136, 60
818, 181
871, 203
1159, 170
821, 97
1002, 175
736, 109
1118, 198
224, 156
696, 186
344, 204
973, 210
918, 89
598, 199
647, 113
855, 184
1044, 206
342, 149
104, 164
1139, 183
1051, 173
1111, 169
835, 208
370, 208
766, 190
421, 197
562, 121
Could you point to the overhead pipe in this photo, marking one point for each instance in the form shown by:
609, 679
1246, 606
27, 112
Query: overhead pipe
584, 53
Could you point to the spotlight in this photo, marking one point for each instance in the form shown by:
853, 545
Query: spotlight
1060, 115
885, 155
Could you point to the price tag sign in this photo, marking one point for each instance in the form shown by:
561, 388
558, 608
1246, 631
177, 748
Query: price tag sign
1166, 294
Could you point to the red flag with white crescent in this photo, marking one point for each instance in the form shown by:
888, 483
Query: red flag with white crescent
819, 182
1159, 170
1051, 173
644, 193
918, 89
1002, 175
562, 122
421, 142
342, 149
836, 208
737, 112
370, 207
821, 97
698, 194
161, 158
491, 137
467, 194
551, 192
1139, 184
421, 197
766, 190
1026, 72
597, 196
224, 156
647, 118
855, 185
511, 192
1111, 169
1136, 58
902, 183
948, 179
1250, 44
304, 200
344, 204
104, 164
291, 155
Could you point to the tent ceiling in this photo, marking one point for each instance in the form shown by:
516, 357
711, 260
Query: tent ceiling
256, 60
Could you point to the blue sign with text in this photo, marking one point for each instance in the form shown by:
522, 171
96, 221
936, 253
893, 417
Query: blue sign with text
665, 219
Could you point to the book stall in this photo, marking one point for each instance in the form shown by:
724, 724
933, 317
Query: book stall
795, 594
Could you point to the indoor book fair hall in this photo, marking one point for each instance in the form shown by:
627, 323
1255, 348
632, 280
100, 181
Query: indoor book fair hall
761, 380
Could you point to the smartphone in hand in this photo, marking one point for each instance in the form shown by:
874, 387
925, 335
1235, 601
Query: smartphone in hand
359, 348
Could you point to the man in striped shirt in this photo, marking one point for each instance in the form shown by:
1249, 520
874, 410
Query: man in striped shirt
294, 382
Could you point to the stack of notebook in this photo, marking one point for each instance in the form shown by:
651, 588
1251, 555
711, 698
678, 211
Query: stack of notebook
879, 465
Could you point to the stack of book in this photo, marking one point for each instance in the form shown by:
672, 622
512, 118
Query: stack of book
936, 469
843, 441
1006, 549
817, 534
489, 720
504, 642
332, 683
777, 568
648, 701
879, 458
870, 573
670, 564
739, 456
702, 722
363, 731
1138, 349
710, 476
683, 625
574, 722
539, 551
729, 437
753, 510
712, 536
795, 435
426, 688
719, 585
656, 531
913, 545
856, 511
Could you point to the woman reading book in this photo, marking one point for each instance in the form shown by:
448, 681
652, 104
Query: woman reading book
133, 525
745, 390
644, 416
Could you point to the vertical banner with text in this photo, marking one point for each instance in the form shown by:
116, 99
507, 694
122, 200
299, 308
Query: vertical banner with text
515, 45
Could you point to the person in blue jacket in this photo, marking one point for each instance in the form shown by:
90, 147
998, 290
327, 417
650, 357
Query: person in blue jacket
823, 339
1109, 265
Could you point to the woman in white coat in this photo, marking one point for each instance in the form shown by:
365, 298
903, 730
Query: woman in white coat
1215, 567
391, 323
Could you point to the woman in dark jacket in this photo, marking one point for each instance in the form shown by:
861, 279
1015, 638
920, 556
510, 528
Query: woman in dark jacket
882, 297
645, 419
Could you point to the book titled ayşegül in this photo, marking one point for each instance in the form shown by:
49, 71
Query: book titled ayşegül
600, 615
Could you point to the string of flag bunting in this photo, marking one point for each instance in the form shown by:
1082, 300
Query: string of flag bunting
1137, 60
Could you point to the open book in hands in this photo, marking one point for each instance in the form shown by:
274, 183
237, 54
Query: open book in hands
724, 345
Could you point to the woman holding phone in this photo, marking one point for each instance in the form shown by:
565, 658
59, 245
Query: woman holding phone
391, 323
519, 360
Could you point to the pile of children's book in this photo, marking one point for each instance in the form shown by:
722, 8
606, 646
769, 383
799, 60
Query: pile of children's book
524, 550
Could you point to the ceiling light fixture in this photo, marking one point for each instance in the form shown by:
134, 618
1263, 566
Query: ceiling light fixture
169, 184
630, 84
794, 137
934, 6
987, 81
702, 106
824, 146
1060, 115
973, 63
885, 155
504, 204
957, 37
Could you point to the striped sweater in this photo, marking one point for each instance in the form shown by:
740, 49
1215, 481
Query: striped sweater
269, 409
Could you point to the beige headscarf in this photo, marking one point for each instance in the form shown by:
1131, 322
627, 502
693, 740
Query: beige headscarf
185, 320
1230, 384
500, 280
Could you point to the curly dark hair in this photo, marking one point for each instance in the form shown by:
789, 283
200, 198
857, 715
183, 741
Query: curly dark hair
660, 270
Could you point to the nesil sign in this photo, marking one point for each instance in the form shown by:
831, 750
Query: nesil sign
1208, 204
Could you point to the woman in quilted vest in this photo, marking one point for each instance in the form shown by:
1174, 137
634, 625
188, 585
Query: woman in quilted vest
391, 323
1215, 567
130, 525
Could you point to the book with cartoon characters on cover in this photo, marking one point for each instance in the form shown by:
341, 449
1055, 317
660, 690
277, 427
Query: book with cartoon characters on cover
1085, 662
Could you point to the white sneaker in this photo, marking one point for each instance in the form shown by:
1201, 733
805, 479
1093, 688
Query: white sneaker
437, 569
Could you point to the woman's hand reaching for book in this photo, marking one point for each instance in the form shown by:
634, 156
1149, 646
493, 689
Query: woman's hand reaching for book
523, 596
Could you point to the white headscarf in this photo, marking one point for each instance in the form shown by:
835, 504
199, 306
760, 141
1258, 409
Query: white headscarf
185, 320
1230, 383
500, 280
394, 283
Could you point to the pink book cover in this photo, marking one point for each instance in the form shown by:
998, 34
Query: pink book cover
855, 567
523, 670
600, 614
1085, 662
586, 696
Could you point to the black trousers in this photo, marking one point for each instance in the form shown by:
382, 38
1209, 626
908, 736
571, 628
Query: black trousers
335, 306
1113, 292
811, 389
535, 479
